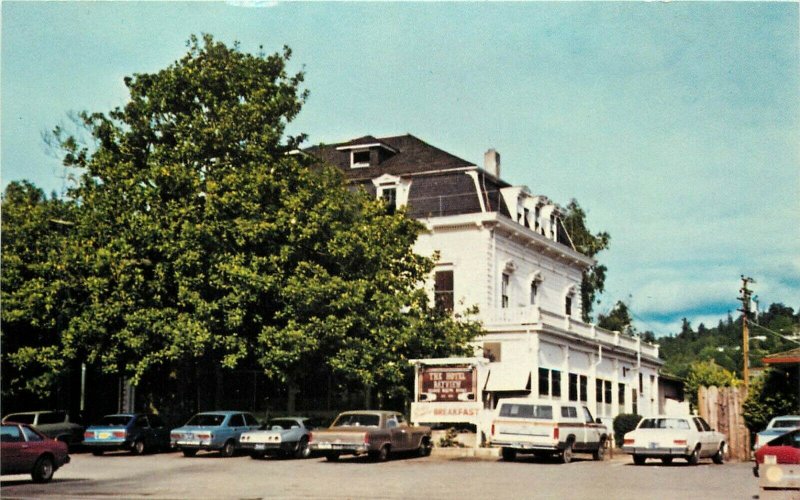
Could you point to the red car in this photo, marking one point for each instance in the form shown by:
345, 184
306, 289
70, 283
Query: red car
785, 448
23, 450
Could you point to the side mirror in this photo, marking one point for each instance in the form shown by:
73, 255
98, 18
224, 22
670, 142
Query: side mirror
598, 420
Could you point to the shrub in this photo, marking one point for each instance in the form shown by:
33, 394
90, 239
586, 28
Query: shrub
624, 422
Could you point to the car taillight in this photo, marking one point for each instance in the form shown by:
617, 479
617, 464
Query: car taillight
118, 434
555, 433
628, 441
680, 442
310, 437
366, 438
492, 429
204, 436
88, 435
175, 436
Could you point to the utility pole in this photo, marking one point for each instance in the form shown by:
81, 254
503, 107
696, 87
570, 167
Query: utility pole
745, 299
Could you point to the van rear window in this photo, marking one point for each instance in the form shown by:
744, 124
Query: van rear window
544, 412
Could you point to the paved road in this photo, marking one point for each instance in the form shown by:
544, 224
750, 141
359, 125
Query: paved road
172, 476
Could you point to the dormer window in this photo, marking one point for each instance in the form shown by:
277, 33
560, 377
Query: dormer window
389, 195
359, 159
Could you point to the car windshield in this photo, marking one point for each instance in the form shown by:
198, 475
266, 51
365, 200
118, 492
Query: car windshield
22, 418
115, 420
357, 419
279, 424
664, 423
207, 419
544, 412
785, 424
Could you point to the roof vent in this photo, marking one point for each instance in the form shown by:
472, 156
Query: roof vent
491, 162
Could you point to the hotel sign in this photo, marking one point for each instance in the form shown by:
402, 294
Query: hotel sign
447, 383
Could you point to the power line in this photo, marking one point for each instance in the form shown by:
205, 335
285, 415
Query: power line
756, 325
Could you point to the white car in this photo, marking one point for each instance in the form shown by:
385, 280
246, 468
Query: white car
668, 437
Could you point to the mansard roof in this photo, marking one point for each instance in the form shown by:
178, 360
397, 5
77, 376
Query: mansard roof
412, 155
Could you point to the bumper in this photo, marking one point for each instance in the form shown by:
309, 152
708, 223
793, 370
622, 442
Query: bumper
268, 448
656, 452
107, 445
341, 448
195, 445
522, 446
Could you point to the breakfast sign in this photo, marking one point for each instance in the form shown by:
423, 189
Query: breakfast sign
447, 383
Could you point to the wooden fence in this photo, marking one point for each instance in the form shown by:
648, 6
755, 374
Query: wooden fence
721, 407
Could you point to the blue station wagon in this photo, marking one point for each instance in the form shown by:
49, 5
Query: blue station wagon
213, 431
136, 432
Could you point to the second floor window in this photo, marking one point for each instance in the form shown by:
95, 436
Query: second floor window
534, 292
568, 305
443, 291
389, 195
504, 291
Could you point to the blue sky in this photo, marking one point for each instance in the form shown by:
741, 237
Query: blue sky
675, 125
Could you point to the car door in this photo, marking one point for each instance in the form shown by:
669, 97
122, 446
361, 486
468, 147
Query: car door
236, 426
591, 434
141, 430
707, 446
30, 449
408, 437
160, 431
396, 437
11, 442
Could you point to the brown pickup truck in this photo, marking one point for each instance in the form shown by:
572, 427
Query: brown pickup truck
375, 433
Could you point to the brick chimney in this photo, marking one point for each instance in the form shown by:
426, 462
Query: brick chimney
491, 162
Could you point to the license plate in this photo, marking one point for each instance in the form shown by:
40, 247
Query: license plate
260, 447
653, 445
104, 435
189, 443
324, 446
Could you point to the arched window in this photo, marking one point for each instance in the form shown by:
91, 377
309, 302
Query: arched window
569, 299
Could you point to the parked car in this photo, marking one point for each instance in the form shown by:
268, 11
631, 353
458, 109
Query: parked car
54, 424
776, 427
546, 427
374, 433
136, 432
213, 431
25, 450
285, 436
785, 448
668, 437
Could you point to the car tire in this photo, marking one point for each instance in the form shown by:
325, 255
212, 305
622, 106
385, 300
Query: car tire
138, 447
189, 453
694, 457
381, 455
332, 457
97, 453
566, 453
600, 452
509, 454
639, 459
424, 447
302, 450
666, 460
228, 449
719, 456
43, 470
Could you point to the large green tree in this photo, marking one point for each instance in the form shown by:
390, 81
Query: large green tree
206, 240
589, 244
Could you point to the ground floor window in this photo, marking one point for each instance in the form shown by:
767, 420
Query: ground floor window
577, 387
549, 383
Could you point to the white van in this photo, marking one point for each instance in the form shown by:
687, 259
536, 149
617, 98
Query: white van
546, 427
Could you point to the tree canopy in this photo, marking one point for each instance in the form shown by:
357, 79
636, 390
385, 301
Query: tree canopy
594, 278
202, 236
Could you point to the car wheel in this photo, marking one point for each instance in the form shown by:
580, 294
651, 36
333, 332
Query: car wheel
189, 453
381, 455
509, 454
639, 460
600, 452
302, 450
424, 447
227, 449
719, 456
97, 453
43, 470
694, 457
332, 457
666, 460
566, 455
138, 447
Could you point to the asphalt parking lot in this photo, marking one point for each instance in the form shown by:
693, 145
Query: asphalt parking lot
173, 476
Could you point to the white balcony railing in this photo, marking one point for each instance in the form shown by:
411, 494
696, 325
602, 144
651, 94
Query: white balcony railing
535, 315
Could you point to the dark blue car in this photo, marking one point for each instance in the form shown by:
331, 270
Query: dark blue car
137, 432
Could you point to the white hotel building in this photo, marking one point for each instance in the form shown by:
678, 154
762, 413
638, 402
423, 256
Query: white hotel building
504, 250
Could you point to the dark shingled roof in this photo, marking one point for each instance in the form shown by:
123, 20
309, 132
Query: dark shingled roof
413, 156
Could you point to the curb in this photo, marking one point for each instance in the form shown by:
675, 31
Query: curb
456, 453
